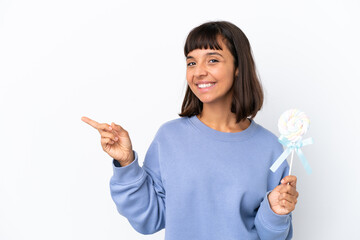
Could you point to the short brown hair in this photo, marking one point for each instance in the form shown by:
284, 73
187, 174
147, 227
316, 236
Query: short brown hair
248, 94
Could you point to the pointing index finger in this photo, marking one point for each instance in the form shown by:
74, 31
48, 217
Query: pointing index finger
91, 122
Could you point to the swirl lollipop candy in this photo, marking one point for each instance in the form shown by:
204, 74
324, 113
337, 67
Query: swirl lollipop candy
293, 124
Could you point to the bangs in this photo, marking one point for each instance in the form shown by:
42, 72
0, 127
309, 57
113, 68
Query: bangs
203, 37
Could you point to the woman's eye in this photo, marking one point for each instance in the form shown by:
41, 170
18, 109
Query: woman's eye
190, 64
213, 60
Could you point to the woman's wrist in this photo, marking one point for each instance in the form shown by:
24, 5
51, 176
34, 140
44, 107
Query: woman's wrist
130, 159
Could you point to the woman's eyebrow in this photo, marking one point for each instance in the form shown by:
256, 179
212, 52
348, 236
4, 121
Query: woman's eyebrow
208, 54
214, 53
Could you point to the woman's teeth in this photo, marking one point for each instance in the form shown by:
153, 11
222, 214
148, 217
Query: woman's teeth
205, 85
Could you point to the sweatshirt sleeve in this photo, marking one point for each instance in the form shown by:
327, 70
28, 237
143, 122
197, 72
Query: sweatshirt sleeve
138, 192
269, 225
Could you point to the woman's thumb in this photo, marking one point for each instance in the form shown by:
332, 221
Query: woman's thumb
118, 129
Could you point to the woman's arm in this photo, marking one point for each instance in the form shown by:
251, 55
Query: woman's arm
138, 192
269, 225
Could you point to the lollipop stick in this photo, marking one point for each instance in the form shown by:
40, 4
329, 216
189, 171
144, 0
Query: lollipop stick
291, 161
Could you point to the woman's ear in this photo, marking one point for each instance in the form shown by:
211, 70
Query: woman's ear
236, 72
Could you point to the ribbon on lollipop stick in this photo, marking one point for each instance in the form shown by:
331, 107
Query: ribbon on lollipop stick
293, 124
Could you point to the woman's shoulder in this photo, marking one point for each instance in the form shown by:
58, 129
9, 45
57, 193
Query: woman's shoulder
173, 123
267, 137
266, 133
173, 126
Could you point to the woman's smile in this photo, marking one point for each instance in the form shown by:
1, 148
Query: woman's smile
205, 86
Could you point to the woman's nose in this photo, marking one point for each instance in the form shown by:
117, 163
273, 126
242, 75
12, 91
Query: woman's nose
200, 70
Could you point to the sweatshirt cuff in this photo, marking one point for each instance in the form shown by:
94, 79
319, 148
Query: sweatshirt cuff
128, 174
270, 218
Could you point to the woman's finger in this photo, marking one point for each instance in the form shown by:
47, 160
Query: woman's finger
91, 122
288, 197
120, 131
99, 126
287, 205
291, 179
104, 127
96, 125
110, 135
288, 189
106, 141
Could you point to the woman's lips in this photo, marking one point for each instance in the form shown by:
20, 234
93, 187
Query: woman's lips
206, 89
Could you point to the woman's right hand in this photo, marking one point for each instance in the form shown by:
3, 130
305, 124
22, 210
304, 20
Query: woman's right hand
114, 140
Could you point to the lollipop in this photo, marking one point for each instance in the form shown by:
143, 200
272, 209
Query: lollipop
293, 124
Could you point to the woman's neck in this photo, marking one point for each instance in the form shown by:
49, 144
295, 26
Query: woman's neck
221, 119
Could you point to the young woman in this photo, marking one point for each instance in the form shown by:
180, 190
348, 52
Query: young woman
206, 175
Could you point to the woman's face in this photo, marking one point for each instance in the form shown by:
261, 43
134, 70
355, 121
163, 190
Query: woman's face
210, 74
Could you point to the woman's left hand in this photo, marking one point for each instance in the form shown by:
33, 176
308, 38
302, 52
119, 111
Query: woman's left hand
283, 197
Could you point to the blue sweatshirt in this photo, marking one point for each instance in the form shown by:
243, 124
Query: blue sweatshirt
202, 184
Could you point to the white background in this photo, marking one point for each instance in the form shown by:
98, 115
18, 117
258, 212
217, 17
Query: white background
123, 61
